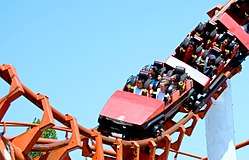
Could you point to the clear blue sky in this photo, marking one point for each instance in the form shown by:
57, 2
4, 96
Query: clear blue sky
79, 52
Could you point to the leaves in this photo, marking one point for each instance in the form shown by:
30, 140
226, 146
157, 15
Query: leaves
47, 133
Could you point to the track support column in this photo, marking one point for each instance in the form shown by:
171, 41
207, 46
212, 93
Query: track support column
220, 128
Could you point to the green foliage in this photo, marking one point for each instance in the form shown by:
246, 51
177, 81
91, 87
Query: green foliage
35, 154
47, 133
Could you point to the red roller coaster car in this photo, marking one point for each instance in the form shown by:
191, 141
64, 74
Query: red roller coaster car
197, 71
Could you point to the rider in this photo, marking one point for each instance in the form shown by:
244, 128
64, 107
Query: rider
161, 92
138, 89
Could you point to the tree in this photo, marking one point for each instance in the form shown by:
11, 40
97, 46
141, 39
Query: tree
47, 133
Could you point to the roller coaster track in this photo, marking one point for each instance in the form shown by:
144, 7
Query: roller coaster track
92, 143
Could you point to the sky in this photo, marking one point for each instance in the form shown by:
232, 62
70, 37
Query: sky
79, 52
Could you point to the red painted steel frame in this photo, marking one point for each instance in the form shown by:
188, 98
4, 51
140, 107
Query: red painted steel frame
90, 141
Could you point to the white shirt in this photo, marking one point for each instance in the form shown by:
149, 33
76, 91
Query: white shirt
160, 95
137, 90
